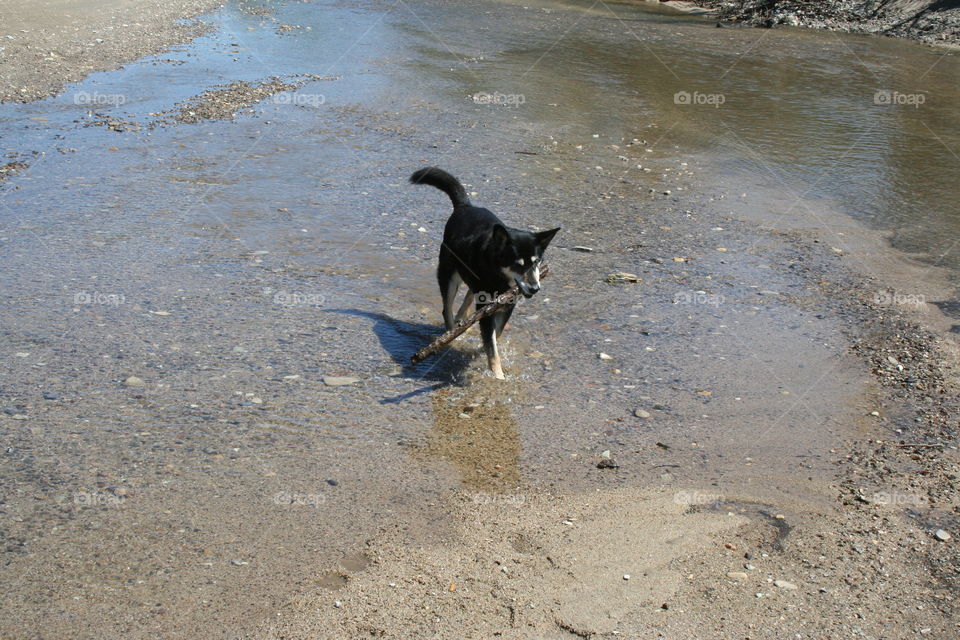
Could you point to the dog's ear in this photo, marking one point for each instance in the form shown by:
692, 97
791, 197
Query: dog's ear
544, 237
501, 237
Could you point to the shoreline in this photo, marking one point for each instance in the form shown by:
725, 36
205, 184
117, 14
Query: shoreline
903, 19
53, 43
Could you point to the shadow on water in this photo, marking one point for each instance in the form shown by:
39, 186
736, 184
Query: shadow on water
402, 339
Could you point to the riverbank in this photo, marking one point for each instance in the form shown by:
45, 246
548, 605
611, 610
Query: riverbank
928, 21
47, 44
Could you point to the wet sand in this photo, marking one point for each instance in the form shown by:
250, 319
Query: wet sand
752, 408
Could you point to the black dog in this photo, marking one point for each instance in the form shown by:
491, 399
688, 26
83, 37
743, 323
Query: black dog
490, 257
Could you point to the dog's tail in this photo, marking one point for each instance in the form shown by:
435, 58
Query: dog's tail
445, 182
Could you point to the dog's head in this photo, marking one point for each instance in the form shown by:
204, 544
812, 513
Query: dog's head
520, 255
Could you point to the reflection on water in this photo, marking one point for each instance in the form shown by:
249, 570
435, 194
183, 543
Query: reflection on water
867, 124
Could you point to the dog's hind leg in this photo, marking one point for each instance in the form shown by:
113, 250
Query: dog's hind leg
465, 307
489, 333
449, 280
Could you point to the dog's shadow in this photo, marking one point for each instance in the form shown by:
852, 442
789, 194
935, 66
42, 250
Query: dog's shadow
402, 339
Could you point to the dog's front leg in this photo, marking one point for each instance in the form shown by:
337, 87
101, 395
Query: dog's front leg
489, 334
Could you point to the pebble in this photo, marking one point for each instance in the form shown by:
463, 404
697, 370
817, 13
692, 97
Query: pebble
337, 604
621, 276
942, 535
604, 356
783, 584
749, 567
50, 395
640, 413
134, 381
626, 576
736, 575
339, 381
582, 248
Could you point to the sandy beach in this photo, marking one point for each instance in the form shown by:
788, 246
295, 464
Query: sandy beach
210, 427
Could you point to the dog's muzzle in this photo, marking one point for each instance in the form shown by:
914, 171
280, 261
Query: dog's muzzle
529, 284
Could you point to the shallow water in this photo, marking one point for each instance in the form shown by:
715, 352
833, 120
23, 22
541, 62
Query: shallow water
232, 265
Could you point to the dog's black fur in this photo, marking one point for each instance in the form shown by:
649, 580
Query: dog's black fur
487, 255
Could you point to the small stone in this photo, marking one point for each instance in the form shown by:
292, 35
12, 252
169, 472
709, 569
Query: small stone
607, 464
942, 535
339, 381
736, 575
337, 604
134, 381
618, 277
583, 249
605, 455
604, 356
238, 563
749, 567
875, 413
640, 413
783, 584
50, 395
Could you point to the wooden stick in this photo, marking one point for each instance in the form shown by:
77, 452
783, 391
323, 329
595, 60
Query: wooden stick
508, 297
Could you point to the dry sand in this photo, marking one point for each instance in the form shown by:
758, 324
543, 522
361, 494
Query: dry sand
45, 44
